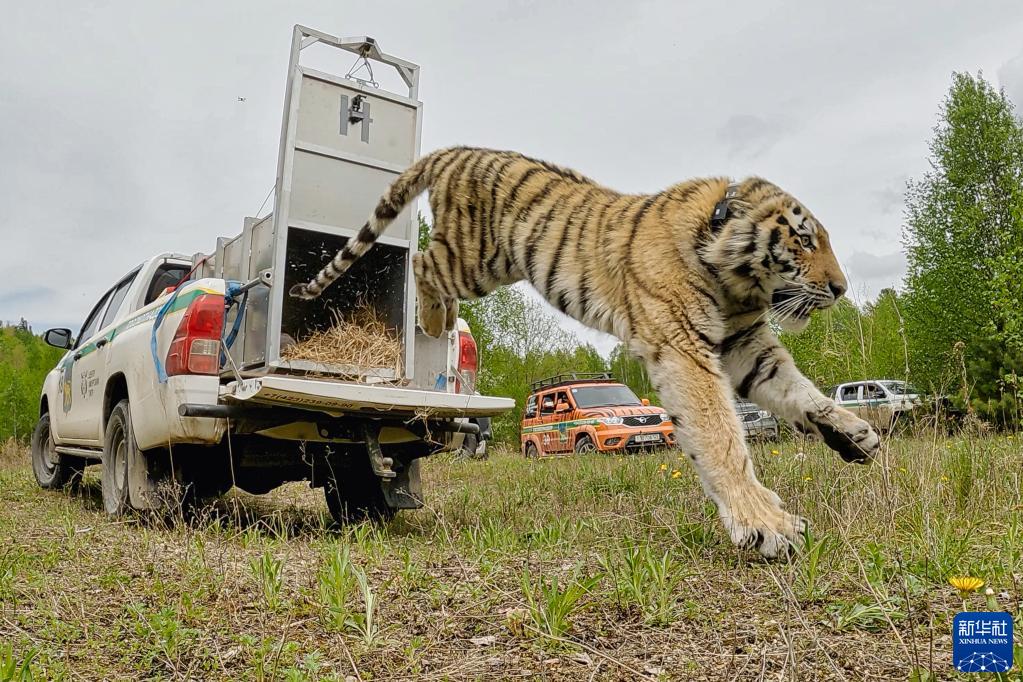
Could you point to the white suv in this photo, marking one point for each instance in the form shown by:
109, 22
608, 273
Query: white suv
881, 402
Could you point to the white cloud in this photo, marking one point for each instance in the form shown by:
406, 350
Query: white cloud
1010, 77
868, 273
749, 136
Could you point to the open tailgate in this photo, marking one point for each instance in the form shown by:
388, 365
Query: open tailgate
340, 397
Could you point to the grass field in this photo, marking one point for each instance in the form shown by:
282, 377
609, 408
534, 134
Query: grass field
595, 568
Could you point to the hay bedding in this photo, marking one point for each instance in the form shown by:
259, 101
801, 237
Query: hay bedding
360, 339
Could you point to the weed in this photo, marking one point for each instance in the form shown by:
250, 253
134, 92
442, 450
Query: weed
550, 605
309, 670
336, 583
13, 669
164, 631
368, 540
815, 551
268, 570
412, 576
488, 537
645, 580
9, 561
551, 535
860, 616
364, 622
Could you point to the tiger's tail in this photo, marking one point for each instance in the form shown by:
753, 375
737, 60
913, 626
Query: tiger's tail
407, 187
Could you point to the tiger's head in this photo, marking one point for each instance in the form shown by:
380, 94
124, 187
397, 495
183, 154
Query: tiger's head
773, 252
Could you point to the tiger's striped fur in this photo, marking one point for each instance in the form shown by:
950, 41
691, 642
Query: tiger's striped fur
687, 294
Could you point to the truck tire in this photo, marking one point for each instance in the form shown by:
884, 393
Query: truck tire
52, 470
585, 444
118, 448
471, 447
353, 493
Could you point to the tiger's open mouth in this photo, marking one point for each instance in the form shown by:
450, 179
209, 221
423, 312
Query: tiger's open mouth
794, 304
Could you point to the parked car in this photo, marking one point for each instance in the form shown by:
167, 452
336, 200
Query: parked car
590, 412
881, 402
758, 424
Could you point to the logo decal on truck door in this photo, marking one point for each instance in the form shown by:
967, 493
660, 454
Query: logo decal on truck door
66, 377
89, 383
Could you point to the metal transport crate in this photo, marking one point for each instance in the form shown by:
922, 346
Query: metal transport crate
343, 141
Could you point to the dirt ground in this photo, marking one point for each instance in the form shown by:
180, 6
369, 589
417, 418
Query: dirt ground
581, 568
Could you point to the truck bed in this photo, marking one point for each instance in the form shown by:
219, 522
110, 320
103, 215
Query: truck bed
345, 397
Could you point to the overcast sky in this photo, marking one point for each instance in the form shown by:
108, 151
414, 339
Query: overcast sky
123, 135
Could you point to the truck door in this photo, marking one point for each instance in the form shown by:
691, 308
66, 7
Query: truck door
877, 408
548, 433
849, 397
77, 370
90, 366
561, 440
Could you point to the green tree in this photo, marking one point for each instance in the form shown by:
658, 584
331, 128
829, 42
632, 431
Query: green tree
24, 362
964, 235
846, 343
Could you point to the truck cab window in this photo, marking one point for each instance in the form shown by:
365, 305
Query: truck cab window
117, 298
561, 399
167, 275
92, 321
547, 404
531, 407
873, 392
848, 393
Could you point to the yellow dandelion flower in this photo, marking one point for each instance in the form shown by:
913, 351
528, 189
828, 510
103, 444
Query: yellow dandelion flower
966, 584
944, 479
807, 478
902, 469
664, 467
676, 474
775, 453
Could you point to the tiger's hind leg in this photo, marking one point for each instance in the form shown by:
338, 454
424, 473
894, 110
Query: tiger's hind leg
432, 309
696, 395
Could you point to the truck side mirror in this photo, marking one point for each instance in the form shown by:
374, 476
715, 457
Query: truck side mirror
60, 337
645, 401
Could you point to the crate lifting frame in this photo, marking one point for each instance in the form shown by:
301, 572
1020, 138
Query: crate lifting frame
282, 219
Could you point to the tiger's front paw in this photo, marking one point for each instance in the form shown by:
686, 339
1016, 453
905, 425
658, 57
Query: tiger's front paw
848, 435
755, 520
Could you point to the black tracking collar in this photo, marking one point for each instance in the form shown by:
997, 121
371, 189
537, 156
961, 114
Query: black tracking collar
720, 214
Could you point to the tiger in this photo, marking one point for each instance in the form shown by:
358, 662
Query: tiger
690, 279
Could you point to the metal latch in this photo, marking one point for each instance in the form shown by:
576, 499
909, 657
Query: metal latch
357, 112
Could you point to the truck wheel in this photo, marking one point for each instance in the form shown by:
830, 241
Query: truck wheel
585, 444
52, 470
353, 494
118, 447
471, 447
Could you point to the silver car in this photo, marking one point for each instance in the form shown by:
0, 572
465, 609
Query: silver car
758, 424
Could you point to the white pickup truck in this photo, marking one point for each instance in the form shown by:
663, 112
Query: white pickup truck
208, 430
177, 374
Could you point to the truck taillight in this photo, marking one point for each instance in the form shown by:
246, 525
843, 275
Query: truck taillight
195, 348
468, 363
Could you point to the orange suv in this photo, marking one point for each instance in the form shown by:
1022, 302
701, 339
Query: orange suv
586, 412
